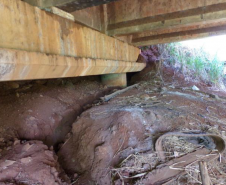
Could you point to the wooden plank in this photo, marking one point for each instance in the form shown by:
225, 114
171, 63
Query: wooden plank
90, 17
184, 28
173, 168
31, 29
204, 173
67, 5
179, 36
81, 4
104, 18
126, 10
174, 19
23, 65
62, 13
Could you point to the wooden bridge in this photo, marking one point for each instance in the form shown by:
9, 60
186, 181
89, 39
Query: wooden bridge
42, 39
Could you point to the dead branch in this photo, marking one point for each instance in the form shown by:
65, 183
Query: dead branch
110, 96
204, 173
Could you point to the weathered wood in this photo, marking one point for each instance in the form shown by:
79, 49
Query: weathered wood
91, 17
110, 96
204, 173
81, 4
179, 36
168, 16
173, 168
23, 65
104, 18
126, 10
62, 13
67, 5
184, 28
31, 29
175, 19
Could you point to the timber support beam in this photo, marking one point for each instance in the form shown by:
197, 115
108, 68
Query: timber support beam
163, 21
67, 5
179, 36
23, 65
114, 80
174, 19
35, 44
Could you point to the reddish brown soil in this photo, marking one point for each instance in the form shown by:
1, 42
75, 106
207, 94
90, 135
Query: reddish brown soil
104, 135
101, 138
30, 163
37, 111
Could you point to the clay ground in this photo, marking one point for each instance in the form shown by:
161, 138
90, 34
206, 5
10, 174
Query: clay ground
59, 132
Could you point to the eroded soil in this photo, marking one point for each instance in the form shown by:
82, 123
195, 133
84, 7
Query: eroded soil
46, 140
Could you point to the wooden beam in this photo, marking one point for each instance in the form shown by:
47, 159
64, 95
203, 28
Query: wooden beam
179, 36
81, 4
28, 28
114, 80
184, 28
62, 13
90, 17
48, 3
174, 19
204, 173
67, 5
23, 65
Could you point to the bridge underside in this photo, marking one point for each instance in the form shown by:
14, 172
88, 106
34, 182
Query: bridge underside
67, 38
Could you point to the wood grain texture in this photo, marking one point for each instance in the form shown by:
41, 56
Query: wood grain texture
204, 173
150, 22
126, 10
179, 36
81, 4
90, 17
201, 15
23, 65
67, 5
28, 28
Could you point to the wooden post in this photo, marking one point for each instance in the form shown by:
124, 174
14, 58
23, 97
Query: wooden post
114, 80
204, 173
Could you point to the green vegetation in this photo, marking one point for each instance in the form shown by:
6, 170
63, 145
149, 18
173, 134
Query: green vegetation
193, 63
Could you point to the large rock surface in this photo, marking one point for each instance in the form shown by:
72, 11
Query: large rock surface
101, 138
45, 112
30, 163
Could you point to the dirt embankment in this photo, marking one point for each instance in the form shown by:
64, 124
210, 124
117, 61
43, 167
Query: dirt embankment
45, 110
104, 136
109, 143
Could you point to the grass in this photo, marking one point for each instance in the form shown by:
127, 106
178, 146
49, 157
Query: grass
193, 63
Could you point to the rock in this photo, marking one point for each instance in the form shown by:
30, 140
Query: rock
45, 113
14, 85
41, 82
195, 88
99, 141
34, 165
145, 97
75, 175
16, 142
163, 89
